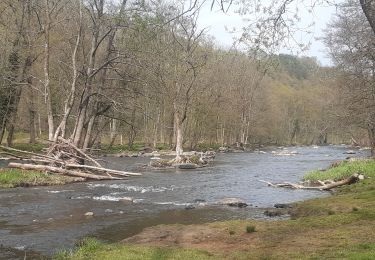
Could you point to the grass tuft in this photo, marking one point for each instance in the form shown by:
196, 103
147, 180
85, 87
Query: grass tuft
250, 229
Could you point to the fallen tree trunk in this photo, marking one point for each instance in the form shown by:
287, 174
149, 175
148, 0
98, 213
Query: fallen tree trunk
101, 169
60, 171
350, 180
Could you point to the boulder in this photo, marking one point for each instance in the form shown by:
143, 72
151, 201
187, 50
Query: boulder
187, 207
273, 213
126, 199
147, 150
223, 149
282, 206
89, 214
233, 202
187, 166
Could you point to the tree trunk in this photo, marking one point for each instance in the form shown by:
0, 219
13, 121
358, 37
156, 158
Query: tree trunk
371, 136
88, 132
32, 113
32, 139
368, 7
61, 129
47, 87
179, 133
60, 171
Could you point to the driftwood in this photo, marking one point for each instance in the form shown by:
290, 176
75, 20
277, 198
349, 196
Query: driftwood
58, 170
65, 158
104, 170
79, 151
350, 180
28, 153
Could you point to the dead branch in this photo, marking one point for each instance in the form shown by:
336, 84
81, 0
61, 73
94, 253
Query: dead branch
350, 180
104, 170
79, 151
25, 152
62, 171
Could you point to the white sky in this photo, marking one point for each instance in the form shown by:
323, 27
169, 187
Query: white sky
217, 21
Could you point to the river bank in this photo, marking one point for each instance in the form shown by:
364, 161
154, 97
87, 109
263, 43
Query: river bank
12, 178
340, 226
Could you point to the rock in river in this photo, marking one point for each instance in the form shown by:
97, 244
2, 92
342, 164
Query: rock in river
187, 166
282, 206
233, 202
89, 214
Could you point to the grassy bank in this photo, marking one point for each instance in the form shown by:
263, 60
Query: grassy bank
343, 170
341, 226
10, 178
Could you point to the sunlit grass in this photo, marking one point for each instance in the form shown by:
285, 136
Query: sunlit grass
344, 170
10, 178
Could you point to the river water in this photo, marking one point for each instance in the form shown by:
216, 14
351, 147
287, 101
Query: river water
43, 220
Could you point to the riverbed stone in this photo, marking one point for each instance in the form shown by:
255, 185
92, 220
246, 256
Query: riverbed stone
190, 206
282, 206
233, 202
89, 214
187, 166
273, 213
126, 199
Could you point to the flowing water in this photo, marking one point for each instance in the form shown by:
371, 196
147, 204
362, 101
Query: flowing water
43, 220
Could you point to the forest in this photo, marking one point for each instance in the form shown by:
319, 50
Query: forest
123, 72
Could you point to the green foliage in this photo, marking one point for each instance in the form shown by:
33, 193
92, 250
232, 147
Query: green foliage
250, 229
194, 159
162, 146
344, 170
300, 68
10, 178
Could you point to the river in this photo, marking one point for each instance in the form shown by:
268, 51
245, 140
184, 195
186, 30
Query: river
43, 220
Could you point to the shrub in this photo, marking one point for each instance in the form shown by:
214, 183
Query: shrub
250, 229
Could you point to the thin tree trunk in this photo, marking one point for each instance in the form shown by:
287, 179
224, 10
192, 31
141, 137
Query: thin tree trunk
88, 133
47, 90
371, 136
61, 129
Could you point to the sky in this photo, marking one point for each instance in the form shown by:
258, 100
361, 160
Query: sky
216, 23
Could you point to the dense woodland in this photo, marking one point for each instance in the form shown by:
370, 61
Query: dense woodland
110, 72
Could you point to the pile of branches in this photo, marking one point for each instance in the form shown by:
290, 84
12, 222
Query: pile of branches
64, 158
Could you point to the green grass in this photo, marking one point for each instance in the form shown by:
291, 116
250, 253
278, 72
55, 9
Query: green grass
10, 178
344, 170
250, 229
37, 147
93, 249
